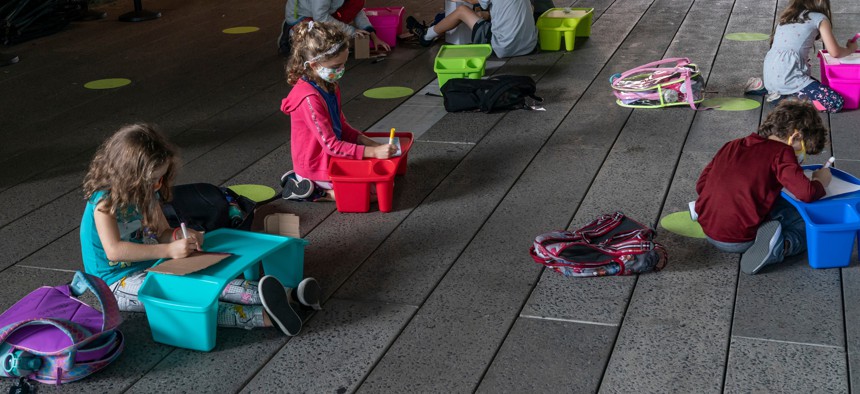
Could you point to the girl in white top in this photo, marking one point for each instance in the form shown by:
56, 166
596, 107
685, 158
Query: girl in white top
786, 65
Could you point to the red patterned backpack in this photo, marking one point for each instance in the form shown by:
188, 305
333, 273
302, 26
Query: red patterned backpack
612, 244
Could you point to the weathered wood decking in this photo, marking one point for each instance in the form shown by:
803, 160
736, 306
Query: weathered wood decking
440, 294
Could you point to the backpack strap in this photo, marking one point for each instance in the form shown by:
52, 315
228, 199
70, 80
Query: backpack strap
76, 332
679, 62
63, 360
110, 310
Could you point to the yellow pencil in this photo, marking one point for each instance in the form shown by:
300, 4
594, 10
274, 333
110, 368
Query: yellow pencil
391, 139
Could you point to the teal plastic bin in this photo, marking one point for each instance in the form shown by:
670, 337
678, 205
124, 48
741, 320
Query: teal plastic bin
182, 310
181, 313
461, 61
832, 224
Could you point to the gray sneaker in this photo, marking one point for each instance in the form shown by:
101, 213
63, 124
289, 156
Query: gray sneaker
309, 293
767, 248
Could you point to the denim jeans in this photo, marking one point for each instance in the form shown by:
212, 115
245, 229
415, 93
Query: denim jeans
793, 231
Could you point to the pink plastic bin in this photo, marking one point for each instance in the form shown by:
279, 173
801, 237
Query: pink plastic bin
352, 179
388, 22
843, 78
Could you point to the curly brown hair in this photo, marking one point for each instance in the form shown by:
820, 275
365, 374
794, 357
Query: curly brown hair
798, 11
314, 44
794, 114
123, 168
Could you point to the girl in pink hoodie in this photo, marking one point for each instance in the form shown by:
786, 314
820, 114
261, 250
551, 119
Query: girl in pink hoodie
318, 129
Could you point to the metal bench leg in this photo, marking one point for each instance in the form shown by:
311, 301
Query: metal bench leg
139, 14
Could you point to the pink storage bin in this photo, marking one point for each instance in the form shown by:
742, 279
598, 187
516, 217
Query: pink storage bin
842, 78
387, 21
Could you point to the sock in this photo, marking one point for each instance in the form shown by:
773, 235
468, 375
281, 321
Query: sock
431, 34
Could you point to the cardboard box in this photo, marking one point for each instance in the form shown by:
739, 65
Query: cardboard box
285, 224
362, 47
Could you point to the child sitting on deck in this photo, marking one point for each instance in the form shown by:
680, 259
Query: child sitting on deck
786, 65
739, 205
348, 15
510, 31
124, 232
318, 128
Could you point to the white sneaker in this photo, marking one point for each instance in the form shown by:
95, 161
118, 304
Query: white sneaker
771, 97
753, 85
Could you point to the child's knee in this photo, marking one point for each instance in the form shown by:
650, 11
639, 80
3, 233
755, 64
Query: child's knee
464, 10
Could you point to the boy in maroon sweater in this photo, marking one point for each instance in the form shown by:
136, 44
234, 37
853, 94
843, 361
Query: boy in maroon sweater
739, 205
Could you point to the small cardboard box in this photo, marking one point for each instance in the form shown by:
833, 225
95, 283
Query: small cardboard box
362, 47
285, 224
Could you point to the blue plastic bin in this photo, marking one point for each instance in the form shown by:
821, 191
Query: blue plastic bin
188, 316
830, 233
832, 224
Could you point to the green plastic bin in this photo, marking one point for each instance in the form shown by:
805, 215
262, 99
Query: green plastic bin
569, 23
461, 61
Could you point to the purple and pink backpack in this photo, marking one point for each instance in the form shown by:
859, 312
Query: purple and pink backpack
52, 337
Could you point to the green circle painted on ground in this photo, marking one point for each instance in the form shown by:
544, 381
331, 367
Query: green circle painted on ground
681, 224
256, 193
731, 104
747, 36
388, 92
240, 30
110, 83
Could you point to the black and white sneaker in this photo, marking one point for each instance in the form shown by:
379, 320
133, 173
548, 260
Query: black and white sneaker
6, 60
276, 302
295, 189
309, 293
419, 30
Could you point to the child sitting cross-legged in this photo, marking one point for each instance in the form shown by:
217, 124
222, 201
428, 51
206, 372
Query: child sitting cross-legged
510, 29
124, 232
739, 205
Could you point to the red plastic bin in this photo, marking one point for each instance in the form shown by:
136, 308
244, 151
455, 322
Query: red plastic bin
387, 21
843, 78
352, 179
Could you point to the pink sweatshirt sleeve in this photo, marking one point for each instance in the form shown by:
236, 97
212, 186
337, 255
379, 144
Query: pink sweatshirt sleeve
314, 114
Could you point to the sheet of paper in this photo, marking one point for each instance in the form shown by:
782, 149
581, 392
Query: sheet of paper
195, 262
836, 187
853, 58
384, 140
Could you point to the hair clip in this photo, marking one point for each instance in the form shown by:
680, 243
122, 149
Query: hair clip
310, 25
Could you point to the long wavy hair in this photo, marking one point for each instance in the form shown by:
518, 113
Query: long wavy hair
317, 42
124, 166
798, 11
794, 114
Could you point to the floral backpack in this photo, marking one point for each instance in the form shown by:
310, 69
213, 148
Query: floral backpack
611, 244
664, 83
52, 337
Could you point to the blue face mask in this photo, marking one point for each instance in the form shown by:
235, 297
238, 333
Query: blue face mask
331, 75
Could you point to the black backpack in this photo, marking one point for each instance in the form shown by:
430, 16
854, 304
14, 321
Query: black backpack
22, 20
206, 207
501, 92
